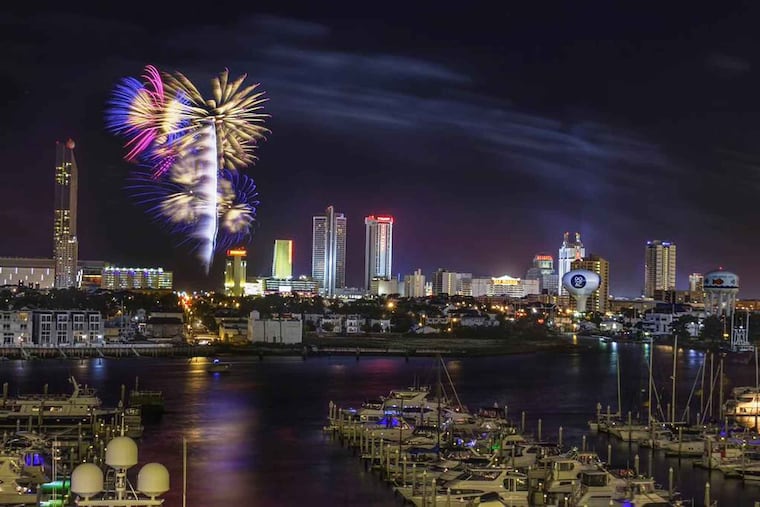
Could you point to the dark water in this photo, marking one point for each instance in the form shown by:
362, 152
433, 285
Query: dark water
254, 435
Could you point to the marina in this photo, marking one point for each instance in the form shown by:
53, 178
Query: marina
262, 424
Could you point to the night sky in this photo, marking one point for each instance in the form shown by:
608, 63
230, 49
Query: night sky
485, 133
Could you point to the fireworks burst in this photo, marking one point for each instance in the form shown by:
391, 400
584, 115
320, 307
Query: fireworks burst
193, 148
235, 113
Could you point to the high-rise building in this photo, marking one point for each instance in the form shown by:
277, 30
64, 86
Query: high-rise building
234, 272
451, 283
659, 267
282, 260
65, 247
542, 270
328, 261
379, 248
569, 252
696, 282
599, 299
414, 285
697, 287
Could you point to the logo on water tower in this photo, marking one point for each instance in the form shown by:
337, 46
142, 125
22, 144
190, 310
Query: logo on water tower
578, 281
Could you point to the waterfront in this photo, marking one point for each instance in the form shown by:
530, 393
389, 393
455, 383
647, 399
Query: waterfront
255, 434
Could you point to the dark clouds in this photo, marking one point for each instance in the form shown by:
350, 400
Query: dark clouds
486, 146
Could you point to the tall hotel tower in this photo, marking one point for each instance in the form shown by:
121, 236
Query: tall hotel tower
65, 219
379, 248
659, 267
282, 260
328, 254
235, 272
569, 251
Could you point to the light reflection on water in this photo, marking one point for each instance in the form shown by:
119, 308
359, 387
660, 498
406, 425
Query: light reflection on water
255, 436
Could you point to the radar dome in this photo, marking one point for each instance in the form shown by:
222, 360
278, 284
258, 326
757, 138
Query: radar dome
121, 452
581, 283
87, 480
153, 480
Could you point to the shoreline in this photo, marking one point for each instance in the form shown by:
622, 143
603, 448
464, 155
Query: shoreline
381, 346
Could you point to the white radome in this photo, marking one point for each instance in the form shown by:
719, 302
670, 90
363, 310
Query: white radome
87, 480
153, 479
121, 452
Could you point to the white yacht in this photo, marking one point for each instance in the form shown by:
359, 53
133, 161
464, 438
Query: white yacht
688, 445
642, 492
597, 488
470, 485
744, 402
81, 404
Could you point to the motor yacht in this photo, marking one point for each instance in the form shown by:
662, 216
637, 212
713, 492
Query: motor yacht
81, 405
470, 485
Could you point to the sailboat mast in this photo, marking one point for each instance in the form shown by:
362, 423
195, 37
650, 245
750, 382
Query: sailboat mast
675, 358
620, 397
649, 401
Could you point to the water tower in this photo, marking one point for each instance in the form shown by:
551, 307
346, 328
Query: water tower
721, 288
581, 283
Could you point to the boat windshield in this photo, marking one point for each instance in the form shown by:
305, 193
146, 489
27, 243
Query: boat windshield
520, 483
595, 480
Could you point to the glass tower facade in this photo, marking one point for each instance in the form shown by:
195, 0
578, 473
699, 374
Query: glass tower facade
379, 248
328, 261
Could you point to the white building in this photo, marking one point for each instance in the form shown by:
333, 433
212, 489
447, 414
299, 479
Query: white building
16, 327
383, 287
659, 321
414, 285
569, 251
504, 286
279, 330
378, 252
354, 324
66, 327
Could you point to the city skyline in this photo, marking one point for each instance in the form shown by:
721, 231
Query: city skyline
608, 120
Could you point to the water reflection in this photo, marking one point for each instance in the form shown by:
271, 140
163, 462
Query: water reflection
256, 433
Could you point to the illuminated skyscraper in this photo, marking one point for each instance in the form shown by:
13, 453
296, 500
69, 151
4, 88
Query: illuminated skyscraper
328, 261
65, 247
569, 251
379, 248
659, 267
282, 260
543, 271
234, 272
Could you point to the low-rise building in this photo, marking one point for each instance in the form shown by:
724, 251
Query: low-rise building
66, 327
233, 330
276, 330
165, 326
16, 327
354, 324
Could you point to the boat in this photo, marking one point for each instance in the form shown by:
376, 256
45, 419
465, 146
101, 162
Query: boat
469, 486
642, 491
218, 366
82, 404
150, 403
598, 488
